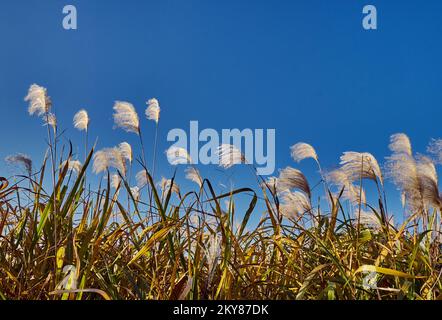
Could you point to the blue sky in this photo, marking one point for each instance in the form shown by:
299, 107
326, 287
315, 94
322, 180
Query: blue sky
306, 68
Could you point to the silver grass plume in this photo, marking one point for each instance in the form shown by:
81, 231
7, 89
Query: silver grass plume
135, 192
73, 165
193, 174
435, 148
21, 159
115, 180
125, 117
50, 120
109, 157
39, 102
352, 193
271, 183
301, 151
141, 178
81, 120
401, 168
166, 184
212, 252
290, 178
400, 143
294, 204
370, 220
428, 180
229, 155
101, 161
153, 110
126, 151
178, 155
358, 165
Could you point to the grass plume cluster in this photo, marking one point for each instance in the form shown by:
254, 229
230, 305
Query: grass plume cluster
153, 240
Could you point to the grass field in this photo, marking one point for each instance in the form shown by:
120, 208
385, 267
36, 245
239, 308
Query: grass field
152, 241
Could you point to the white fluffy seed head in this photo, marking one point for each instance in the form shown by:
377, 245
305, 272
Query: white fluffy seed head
358, 165
229, 155
353, 193
212, 252
50, 120
271, 183
135, 192
400, 143
291, 178
115, 180
81, 120
301, 151
428, 180
369, 219
435, 148
401, 168
73, 165
126, 151
39, 102
193, 174
109, 157
153, 110
294, 204
125, 117
166, 184
178, 155
141, 178
101, 161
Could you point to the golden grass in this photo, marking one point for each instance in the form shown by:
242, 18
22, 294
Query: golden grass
74, 243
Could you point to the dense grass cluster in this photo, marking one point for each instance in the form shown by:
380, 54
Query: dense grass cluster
156, 242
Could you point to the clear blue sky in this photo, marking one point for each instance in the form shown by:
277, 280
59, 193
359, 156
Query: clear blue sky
306, 68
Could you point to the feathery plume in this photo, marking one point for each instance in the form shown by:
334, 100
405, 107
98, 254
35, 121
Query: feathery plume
352, 193
435, 148
153, 110
116, 160
101, 161
193, 174
81, 120
301, 151
212, 252
141, 178
290, 178
125, 117
21, 159
229, 155
39, 101
401, 168
115, 180
294, 204
109, 157
135, 192
126, 151
165, 185
369, 219
271, 183
400, 143
358, 165
73, 165
50, 120
428, 180
178, 155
